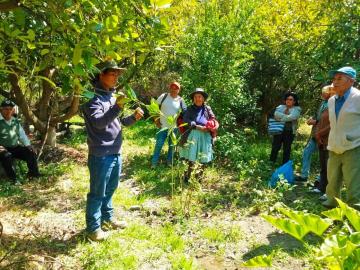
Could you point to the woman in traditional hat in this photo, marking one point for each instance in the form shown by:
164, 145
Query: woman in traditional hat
201, 124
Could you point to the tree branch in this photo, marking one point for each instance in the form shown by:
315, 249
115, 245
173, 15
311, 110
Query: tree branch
9, 5
24, 106
47, 92
5, 94
73, 109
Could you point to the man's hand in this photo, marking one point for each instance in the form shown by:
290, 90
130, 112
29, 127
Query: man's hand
31, 148
157, 122
311, 122
138, 113
121, 99
201, 128
318, 139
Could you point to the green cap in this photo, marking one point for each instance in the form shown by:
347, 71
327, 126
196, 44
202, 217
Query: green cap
108, 64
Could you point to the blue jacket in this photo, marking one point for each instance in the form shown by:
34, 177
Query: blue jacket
102, 123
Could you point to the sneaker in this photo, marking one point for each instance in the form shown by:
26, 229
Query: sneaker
114, 225
299, 178
98, 235
328, 203
323, 197
315, 190
17, 183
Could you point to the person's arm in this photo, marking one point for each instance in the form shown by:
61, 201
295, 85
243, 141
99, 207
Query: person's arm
294, 114
128, 120
95, 113
211, 114
183, 105
325, 130
22, 137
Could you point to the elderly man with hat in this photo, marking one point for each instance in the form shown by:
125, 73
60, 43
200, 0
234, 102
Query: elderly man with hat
14, 144
170, 104
104, 130
344, 138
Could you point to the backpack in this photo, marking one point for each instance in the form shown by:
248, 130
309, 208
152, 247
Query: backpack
180, 118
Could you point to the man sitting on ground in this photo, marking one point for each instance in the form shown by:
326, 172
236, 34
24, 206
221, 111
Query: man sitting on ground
14, 144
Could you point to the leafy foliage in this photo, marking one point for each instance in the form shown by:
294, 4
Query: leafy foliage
340, 247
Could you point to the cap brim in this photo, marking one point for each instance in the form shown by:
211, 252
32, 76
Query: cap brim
333, 72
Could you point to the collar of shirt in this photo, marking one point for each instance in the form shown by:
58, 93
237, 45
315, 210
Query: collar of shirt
345, 96
7, 122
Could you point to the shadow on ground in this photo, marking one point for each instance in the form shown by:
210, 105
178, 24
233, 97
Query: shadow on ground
19, 252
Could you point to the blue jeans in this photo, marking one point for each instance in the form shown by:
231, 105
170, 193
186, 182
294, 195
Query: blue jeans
104, 179
160, 140
309, 149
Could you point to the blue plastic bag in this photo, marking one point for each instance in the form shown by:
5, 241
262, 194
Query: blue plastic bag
285, 171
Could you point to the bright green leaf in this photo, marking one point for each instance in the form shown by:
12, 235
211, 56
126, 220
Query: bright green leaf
334, 214
111, 22
44, 51
131, 93
77, 54
352, 214
310, 222
46, 79
88, 94
31, 35
287, 226
338, 246
31, 46
107, 40
161, 3
118, 38
355, 238
259, 261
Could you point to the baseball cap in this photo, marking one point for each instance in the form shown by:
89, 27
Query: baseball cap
7, 103
348, 71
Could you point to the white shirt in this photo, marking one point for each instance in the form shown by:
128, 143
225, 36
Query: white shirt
22, 135
169, 107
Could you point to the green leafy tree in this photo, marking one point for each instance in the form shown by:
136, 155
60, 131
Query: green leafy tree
49, 50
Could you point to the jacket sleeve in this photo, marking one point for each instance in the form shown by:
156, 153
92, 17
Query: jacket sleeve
94, 112
128, 121
189, 117
281, 116
22, 136
325, 126
211, 114
183, 105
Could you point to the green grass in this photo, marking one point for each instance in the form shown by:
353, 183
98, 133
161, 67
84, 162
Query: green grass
175, 222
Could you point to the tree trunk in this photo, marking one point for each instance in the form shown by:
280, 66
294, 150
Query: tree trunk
50, 137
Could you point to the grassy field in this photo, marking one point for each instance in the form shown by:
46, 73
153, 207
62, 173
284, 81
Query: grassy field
215, 224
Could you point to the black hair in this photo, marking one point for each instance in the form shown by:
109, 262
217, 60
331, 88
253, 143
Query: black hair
292, 94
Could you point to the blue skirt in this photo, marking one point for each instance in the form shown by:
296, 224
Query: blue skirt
198, 147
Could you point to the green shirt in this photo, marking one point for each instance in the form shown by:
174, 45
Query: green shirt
11, 133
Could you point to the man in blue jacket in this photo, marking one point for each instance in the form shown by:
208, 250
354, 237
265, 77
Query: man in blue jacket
104, 142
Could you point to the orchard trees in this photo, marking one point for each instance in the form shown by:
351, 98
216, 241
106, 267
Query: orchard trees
49, 49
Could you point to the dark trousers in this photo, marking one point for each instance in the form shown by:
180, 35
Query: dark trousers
8, 154
286, 138
323, 156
